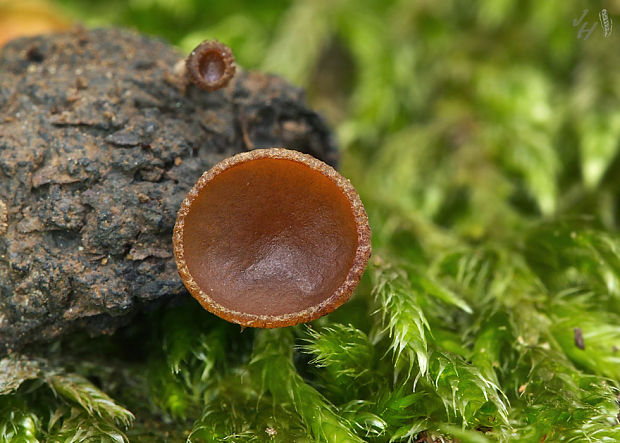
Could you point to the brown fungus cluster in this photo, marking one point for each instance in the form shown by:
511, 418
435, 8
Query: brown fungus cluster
211, 65
271, 238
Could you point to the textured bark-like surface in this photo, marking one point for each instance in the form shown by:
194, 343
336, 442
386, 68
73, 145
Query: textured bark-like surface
99, 143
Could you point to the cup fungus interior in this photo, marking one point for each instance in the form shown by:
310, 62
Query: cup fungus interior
211, 67
270, 236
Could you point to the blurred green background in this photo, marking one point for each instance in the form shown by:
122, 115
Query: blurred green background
473, 107
483, 138
431, 98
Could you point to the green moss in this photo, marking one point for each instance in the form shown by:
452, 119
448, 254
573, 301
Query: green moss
483, 140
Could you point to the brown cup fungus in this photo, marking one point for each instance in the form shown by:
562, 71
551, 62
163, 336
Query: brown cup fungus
271, 238
211, 65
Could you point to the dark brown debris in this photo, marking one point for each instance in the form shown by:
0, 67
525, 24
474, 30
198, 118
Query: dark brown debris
97, 151
3, 217
579, 339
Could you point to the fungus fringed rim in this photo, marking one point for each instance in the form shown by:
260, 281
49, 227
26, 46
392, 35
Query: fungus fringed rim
337, 298
195, 59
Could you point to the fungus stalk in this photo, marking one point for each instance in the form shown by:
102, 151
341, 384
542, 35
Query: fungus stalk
271, 238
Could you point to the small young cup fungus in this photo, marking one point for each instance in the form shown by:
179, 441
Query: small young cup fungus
271, 238
211, 65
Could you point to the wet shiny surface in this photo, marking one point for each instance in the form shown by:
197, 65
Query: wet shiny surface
211, 67
270, 236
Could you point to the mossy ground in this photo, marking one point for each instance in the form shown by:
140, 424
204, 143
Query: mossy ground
483, 138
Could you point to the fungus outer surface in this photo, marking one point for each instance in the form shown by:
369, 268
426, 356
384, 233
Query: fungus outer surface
271, 238
211, 65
